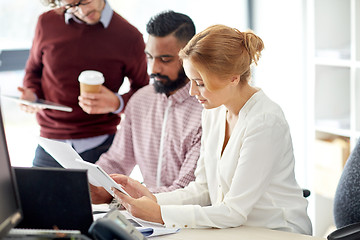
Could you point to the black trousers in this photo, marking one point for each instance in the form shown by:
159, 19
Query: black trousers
43, 159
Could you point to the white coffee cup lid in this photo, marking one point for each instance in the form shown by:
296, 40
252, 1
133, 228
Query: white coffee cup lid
91, 77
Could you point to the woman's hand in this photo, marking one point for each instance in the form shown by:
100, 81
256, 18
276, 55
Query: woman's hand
143, 207
142, 203
132, 187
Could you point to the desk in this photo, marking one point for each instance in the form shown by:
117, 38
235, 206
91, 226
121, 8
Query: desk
239, 233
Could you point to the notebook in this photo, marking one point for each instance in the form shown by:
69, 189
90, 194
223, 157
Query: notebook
54, 198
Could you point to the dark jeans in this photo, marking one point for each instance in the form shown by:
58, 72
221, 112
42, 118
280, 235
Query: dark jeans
43, 159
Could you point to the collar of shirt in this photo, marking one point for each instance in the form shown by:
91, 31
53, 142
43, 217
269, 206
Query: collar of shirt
104, 19
250, 103
179, 96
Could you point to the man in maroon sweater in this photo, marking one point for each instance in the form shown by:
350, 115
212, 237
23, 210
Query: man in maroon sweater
76, 36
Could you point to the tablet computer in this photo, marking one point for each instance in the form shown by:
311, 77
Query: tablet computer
40, 103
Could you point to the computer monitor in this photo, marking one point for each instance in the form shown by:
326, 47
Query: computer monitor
10, 210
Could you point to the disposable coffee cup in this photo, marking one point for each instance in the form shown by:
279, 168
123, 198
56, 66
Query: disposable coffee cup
90, 81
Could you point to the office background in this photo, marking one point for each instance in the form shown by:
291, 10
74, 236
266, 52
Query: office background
309, 67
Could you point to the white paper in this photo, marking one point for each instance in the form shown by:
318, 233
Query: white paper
67, 157
40, 103
152, 232
100, 210
101, 177
150, 229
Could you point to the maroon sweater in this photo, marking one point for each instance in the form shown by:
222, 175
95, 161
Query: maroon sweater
61, 51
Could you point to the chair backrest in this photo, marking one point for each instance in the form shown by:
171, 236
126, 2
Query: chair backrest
11, 60
347, 196
306, 192
349, 232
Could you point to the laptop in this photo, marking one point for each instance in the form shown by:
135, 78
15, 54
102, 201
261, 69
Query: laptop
54, 198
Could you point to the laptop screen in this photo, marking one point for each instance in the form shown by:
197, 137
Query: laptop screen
10, 211
54, 198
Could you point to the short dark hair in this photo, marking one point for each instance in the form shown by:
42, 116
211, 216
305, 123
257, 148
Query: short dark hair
170, 22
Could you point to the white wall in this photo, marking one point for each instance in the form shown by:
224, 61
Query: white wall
282, 69
17, 22
282, 73
203, 12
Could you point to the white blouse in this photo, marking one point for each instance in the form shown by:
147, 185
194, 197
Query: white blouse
252, 183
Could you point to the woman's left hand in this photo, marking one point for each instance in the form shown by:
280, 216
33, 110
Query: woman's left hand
132, 187
144, 207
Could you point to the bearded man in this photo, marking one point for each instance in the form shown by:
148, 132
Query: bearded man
161, 131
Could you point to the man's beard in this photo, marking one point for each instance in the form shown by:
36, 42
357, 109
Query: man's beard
168, 85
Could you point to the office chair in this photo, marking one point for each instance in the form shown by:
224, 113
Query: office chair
12, 60
306, 192
347, 195
347, 199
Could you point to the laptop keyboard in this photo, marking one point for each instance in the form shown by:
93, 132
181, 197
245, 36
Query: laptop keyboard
43, 233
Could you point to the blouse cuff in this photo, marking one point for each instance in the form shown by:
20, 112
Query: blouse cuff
172, 218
